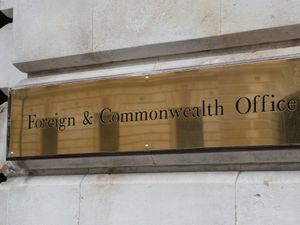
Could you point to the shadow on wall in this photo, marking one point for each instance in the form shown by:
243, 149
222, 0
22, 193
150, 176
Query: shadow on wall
3, 178
4, 20
3, 97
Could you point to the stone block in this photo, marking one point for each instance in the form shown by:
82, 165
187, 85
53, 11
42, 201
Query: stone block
7, 4
9, 75
44, 200
4, 188
123, 24
49, 29
161, 198
99, 32
245, 15
268, 198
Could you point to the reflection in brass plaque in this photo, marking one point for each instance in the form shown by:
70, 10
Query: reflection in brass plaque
243, 105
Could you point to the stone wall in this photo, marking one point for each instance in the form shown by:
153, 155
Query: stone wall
211, 198
53, 34
89, 32
9, 75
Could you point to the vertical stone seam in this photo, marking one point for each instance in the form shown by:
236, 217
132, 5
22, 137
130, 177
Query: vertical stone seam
153, 161
92, 25
235, 197
220, 13
157, 60
7, 205
79, 203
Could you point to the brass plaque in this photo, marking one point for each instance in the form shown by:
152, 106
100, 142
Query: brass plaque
242, 105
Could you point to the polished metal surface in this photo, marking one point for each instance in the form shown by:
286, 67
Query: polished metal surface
243, 105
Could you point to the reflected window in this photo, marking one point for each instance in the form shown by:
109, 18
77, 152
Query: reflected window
108, 135
49, 141
291, 122
189, 132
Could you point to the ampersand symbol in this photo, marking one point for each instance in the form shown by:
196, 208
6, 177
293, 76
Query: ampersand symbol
87, 118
